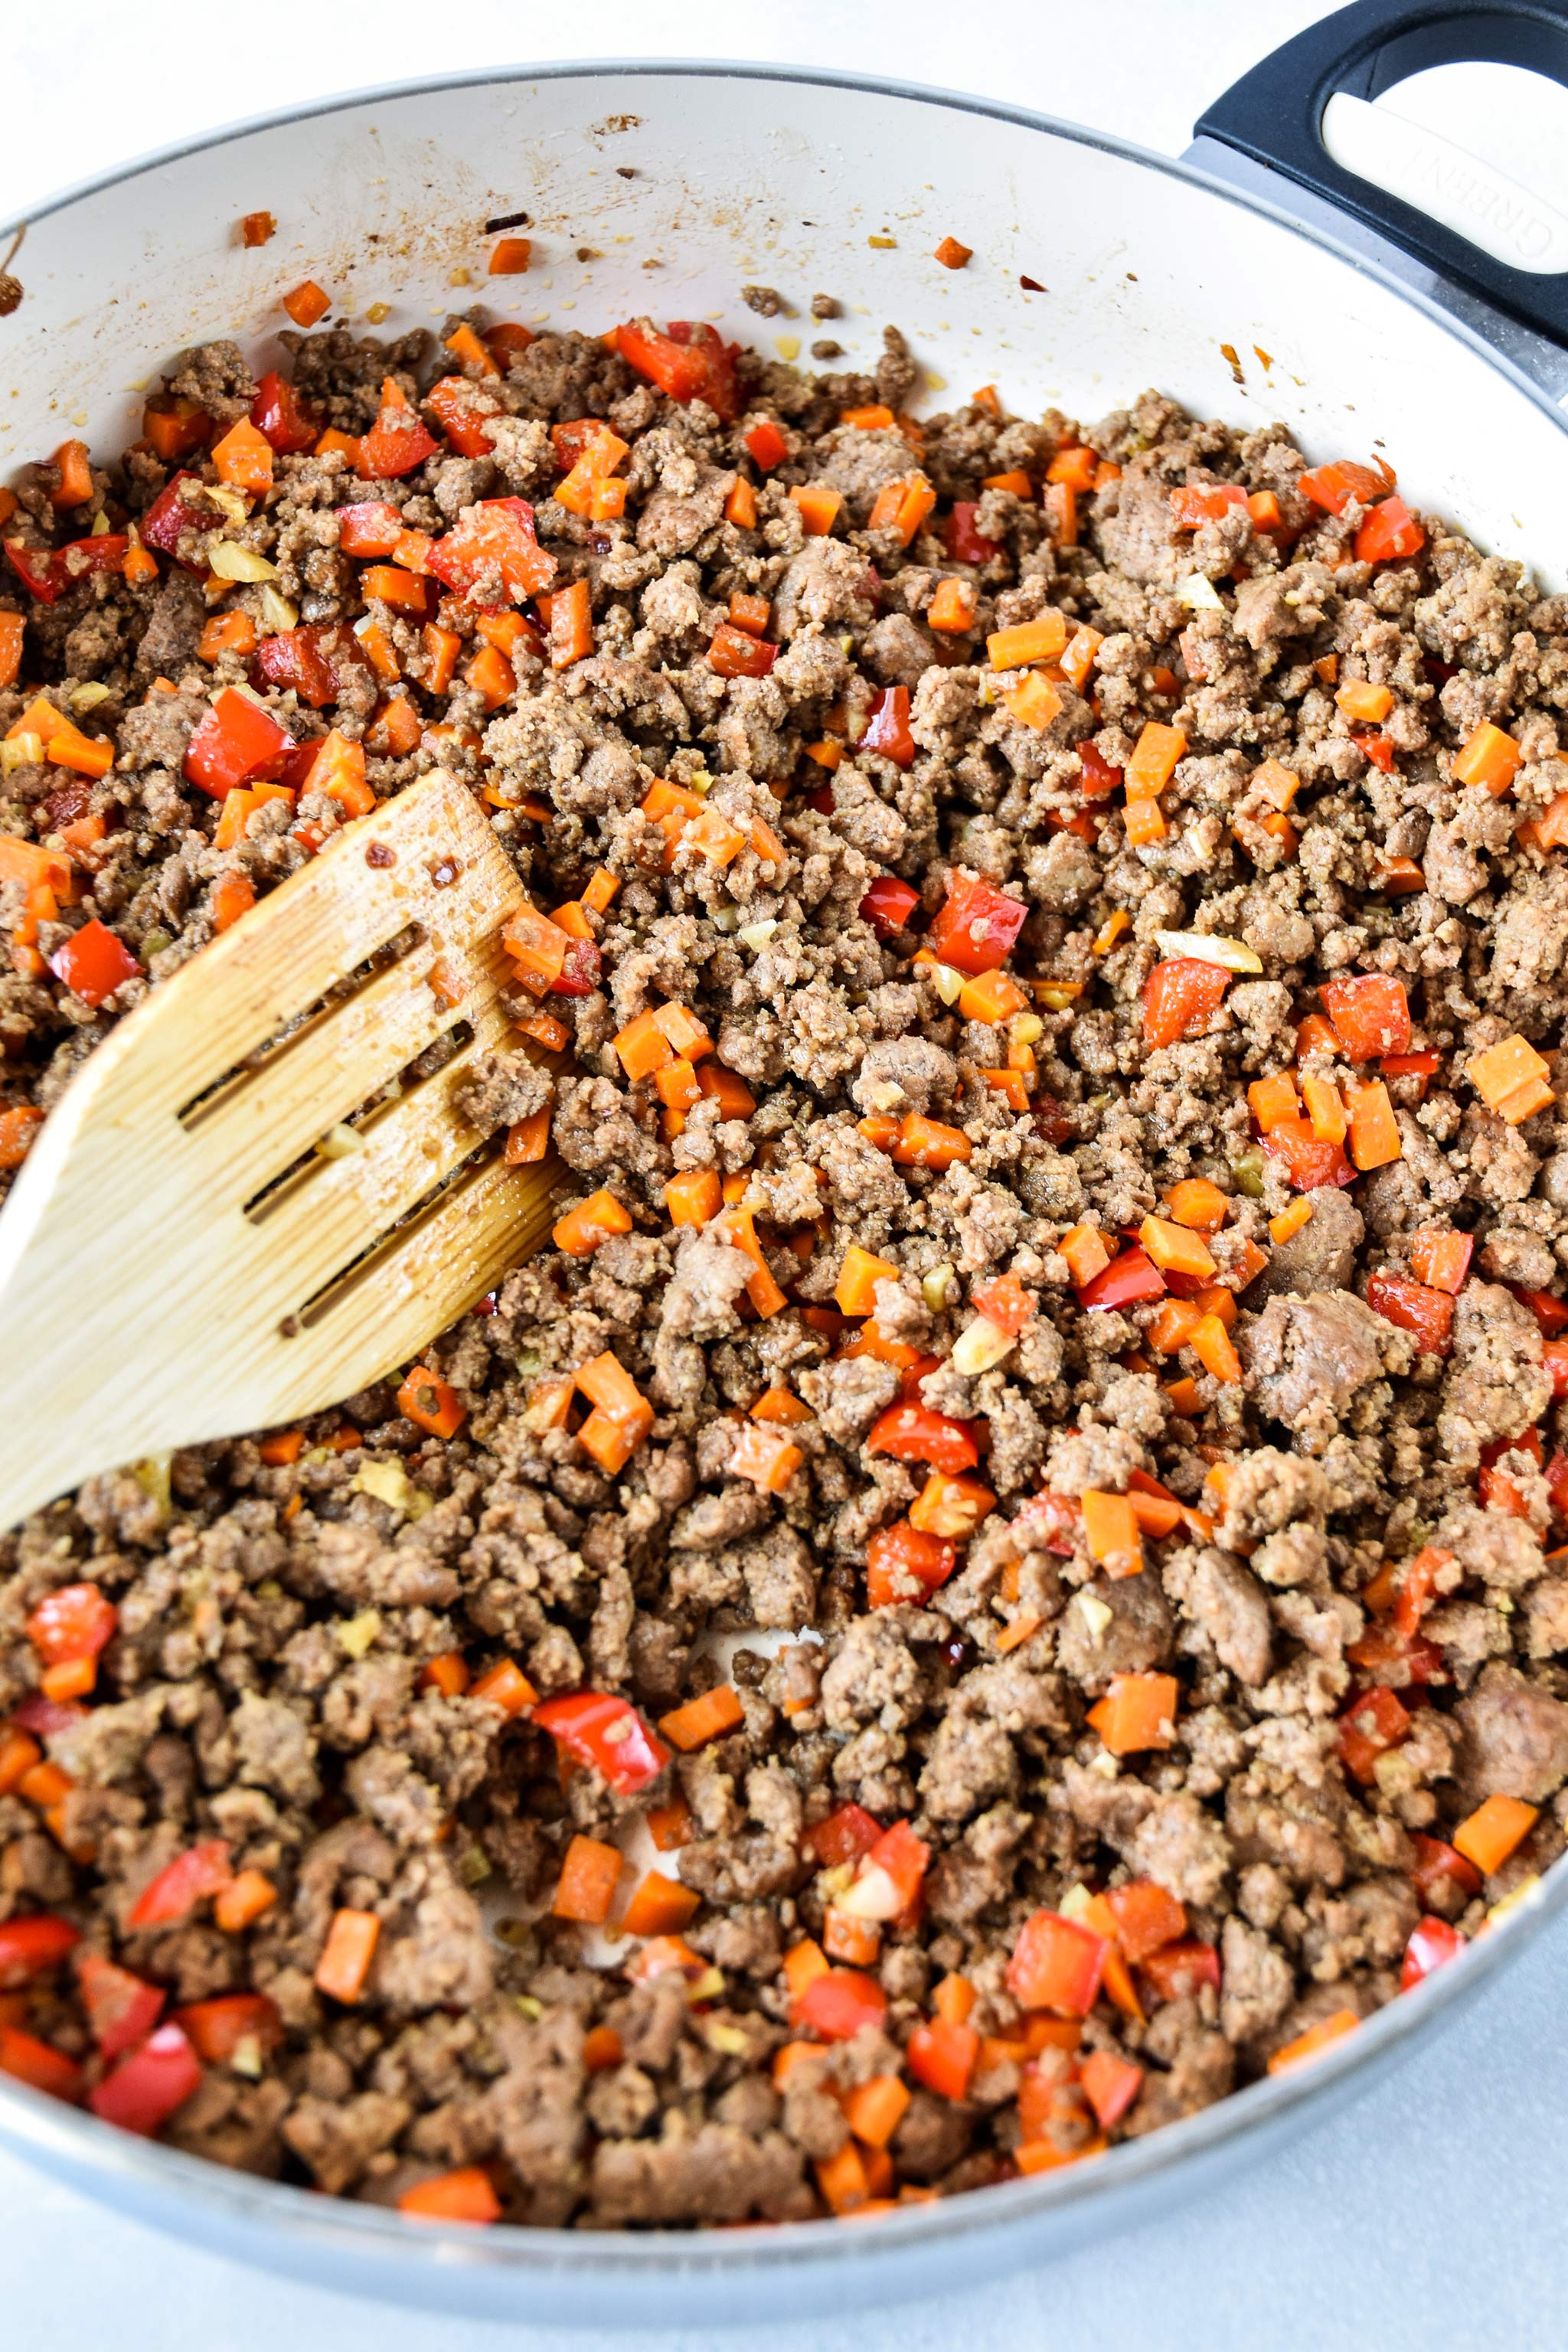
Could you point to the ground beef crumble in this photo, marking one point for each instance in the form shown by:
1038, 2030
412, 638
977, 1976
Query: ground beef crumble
1347, 1586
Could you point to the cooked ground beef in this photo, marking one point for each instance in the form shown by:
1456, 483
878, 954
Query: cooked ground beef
1110, 1652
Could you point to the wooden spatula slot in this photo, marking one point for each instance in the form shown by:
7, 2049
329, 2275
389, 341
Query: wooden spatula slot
178, 1258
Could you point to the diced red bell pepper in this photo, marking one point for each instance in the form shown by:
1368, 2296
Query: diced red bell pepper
887, 729
767, 446
902, 1860
460, 409
1313, 1162
1410, 1305
1372, 1724
1099, 779
964, 543
735, 653
941, 2056
1177, 1971
1333, 486
397, 442
976, 927
913, 1433
1438, 1864
1433, 1943
145, 2089
1417, 1587
888, 904
898, 1553
294, 658
1057, 1964
1147, 1917
1554, 1364
1126, 1280
122, 2008
1111, 2084
217, 2027
46, 1716
28, 2060
281, 417
691, 363
1371, 1014
1052, 1521
93, 963
1180, 995
494, 538
1557, 1482
1389, 531
1402, 1661
839, 2004
1550, 1311
1004, 1302
844, 1836
607, 1733
1441, 1259
47, 572
1194, 503
1381, 750
30, 1947
236, 743
75, 1621
201, 1871
371, 528
579, 973
171, 514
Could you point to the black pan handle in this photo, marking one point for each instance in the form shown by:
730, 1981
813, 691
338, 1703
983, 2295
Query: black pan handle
1274, 114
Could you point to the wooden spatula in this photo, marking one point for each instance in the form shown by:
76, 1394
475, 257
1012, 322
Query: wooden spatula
179, 1258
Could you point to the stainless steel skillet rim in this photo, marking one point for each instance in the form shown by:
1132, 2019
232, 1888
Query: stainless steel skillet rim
28, 2119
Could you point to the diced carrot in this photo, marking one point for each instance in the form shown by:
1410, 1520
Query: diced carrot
669, 1825
1317, 2037
760, 1289
1362, 702
427, 1399
803, 1964
764, 1457
951, 1507
74, 488
1273, 1099
693, 1199
346, 1956
1034, 701
528, 1139
741, 505
1138, 1712
1084, 1248
307, 303
233, 894
247, 1896
1490, 757
1197, 1203
1172, 1325
1488, 1836
1141, 822
590, 1223
856, 1290
1211, 1343
660, 1906
953, 608
590, 1873
901, 508
505, 1686
1111, 1529
1016, 481
1175, 1248
1325, 1109
1290, 1221
953, 1999
991, 996
924, 1142
842, 2180
226, 633
1374, 1139
874, 2110
1153, 762
1511, 1078
819, 509
1029, 641
448, 1672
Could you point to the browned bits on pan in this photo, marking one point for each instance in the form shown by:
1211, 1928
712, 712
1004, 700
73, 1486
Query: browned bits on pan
380, 852
446, 872
1030, 285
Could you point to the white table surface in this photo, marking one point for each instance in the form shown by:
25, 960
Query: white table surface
1428, 2217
